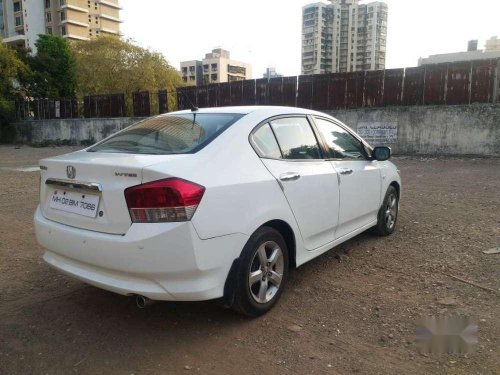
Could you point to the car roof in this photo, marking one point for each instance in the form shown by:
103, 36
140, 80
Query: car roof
264, 110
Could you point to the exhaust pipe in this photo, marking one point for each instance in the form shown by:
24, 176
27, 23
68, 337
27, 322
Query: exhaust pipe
143, 302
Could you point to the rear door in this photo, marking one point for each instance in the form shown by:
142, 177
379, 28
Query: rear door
360, 180
290, 151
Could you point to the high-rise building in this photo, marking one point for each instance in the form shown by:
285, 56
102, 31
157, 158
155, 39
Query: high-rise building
21, 21
343, 36
216, 67
271, 73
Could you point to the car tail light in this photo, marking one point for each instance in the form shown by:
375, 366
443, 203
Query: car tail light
172, 199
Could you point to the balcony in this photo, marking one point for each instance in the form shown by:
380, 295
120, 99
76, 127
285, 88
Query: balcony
76, 23
75, 8
76, 37
109, 4
110, 18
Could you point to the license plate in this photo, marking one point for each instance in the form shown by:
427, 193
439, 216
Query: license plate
77, 203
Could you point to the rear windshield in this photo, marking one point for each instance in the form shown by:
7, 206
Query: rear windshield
171, 134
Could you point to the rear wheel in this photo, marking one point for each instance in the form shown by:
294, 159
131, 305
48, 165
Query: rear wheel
262, 272
388, 214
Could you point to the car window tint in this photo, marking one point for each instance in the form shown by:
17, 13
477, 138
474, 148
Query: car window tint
168, 134
296, 138
265, 143
341, 143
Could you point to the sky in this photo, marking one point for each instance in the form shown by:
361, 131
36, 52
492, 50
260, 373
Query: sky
268, 32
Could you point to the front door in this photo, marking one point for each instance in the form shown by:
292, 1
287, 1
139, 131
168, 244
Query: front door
360, 180
309, 182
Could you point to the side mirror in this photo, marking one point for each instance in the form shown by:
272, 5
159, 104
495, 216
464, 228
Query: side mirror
381, 153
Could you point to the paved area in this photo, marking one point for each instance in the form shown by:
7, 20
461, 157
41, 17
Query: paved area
353, 310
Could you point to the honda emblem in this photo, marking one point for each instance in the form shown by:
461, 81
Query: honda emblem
71, 171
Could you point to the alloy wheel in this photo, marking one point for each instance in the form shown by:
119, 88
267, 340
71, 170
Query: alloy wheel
391, 211
266, 272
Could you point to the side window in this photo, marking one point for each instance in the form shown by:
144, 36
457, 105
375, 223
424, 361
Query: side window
296, 138
341, 143
265, 143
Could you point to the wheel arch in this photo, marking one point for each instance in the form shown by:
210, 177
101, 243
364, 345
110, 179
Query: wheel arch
396, 186
288, 235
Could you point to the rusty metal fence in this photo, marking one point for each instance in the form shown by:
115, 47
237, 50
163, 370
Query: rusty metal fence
451, 83
140, 104
44, 109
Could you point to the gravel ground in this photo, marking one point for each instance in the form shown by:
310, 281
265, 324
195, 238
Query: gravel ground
352, 310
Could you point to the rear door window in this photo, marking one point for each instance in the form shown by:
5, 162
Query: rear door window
170, 134
296, 138
265, 143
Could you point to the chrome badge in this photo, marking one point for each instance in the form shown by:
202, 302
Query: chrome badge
70, 171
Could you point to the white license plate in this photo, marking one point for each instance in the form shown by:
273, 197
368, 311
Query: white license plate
77, 203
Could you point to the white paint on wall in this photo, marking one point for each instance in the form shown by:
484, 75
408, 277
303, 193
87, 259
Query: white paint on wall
379, 133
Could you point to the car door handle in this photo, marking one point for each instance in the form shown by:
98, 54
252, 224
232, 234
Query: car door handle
289, 176
345, 171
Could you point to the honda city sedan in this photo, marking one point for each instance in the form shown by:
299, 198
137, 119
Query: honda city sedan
213, 203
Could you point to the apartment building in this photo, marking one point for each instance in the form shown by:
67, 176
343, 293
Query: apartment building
470, 55
22, 21
216, 67
492, 44
343, 36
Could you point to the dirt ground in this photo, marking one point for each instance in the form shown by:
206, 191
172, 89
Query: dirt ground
352, 310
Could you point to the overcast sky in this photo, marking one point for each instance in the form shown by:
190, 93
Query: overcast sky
268, 32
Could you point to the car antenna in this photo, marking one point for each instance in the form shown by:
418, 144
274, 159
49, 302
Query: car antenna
193, 107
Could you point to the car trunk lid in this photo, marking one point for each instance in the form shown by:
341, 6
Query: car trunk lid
72, 184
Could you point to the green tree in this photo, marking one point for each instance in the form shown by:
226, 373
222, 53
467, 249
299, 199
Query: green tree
108, 65
53, 69
11, 70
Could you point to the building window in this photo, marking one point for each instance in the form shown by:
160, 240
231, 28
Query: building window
47, 3
62, 16
48, 17
63, 30
19, 21
49, 30
214, 67
62, 2
17, 7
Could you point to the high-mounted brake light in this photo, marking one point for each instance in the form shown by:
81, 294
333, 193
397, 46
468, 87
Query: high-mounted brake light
172, 199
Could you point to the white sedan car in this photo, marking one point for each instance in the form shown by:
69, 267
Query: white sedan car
210, 203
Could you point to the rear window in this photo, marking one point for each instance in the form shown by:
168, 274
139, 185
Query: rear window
171, 134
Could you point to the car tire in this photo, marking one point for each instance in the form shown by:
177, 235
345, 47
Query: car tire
259, 286
388, 213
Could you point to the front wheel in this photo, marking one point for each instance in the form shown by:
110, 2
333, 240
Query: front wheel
262, 272
388, 214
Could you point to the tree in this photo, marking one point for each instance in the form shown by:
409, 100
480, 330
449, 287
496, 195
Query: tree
11, 69
53, 69
108, 65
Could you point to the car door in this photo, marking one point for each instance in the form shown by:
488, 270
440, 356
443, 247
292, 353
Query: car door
360, 177
289, 149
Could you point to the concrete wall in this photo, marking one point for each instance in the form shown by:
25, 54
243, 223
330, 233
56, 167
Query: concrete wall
432, 130
429, 130
76, 131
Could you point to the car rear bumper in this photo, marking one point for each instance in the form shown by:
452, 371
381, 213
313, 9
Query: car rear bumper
165, 261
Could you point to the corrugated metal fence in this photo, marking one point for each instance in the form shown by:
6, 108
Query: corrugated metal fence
454, 83
450, 83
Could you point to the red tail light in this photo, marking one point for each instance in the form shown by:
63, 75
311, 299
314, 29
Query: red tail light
172, 199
